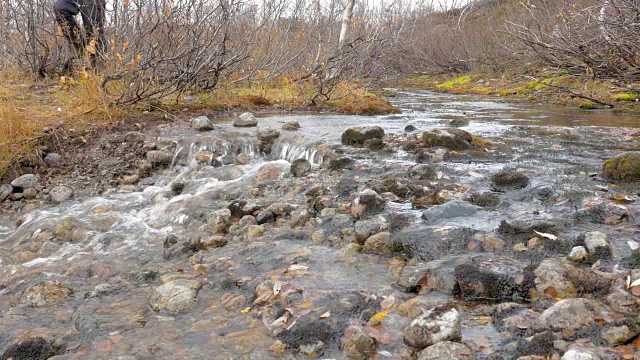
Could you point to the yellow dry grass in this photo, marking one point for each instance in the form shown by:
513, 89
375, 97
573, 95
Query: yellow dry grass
79, 102
27, 108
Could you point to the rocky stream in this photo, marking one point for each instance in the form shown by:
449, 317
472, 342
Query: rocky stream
466, 227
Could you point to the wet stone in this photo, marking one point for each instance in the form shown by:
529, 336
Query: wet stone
242, 159
446, 350
312, 350
580, 354
25, 181
265, 216
291, 126
177, 296
366, 228
34, 348
201, 123
159, 157
410, 128
625, 167
340, 163
380, 244
569, 315
509, 180
450, 138
358, 136
422, 172
441, 323
578, 254
5, 191
271, 171
564, 279
60, 193
356, 345
486, 200
597, 244
245, 120
46, 293
368, 203
266, 137
300, 167
452, 209
433, 275
493, 279
30, 193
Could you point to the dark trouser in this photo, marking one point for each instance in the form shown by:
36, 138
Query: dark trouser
92, 12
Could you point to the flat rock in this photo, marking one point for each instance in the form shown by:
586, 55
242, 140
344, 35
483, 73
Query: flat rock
433, 275
489, 278
25, 181
245, 120
45, 293
452, 209
569, 315
446, 350
562, 278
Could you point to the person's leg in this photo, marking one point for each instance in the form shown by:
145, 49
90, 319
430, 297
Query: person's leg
64, 11
93, 17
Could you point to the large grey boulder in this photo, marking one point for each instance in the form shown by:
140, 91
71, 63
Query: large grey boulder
245, 120
201, 123
25, 181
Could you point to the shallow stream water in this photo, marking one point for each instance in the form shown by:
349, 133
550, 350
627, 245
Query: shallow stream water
112, 251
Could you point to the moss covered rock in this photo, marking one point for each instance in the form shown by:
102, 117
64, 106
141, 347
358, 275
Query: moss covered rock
360, 136
509, 180
625, 167
450, 138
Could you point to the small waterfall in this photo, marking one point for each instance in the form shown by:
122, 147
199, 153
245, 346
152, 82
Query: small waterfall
291, 149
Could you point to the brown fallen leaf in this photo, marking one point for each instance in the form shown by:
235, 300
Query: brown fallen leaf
551, 292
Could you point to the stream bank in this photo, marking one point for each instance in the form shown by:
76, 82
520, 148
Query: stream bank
319, 241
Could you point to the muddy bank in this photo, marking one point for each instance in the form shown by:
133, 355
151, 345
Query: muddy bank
410, 236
